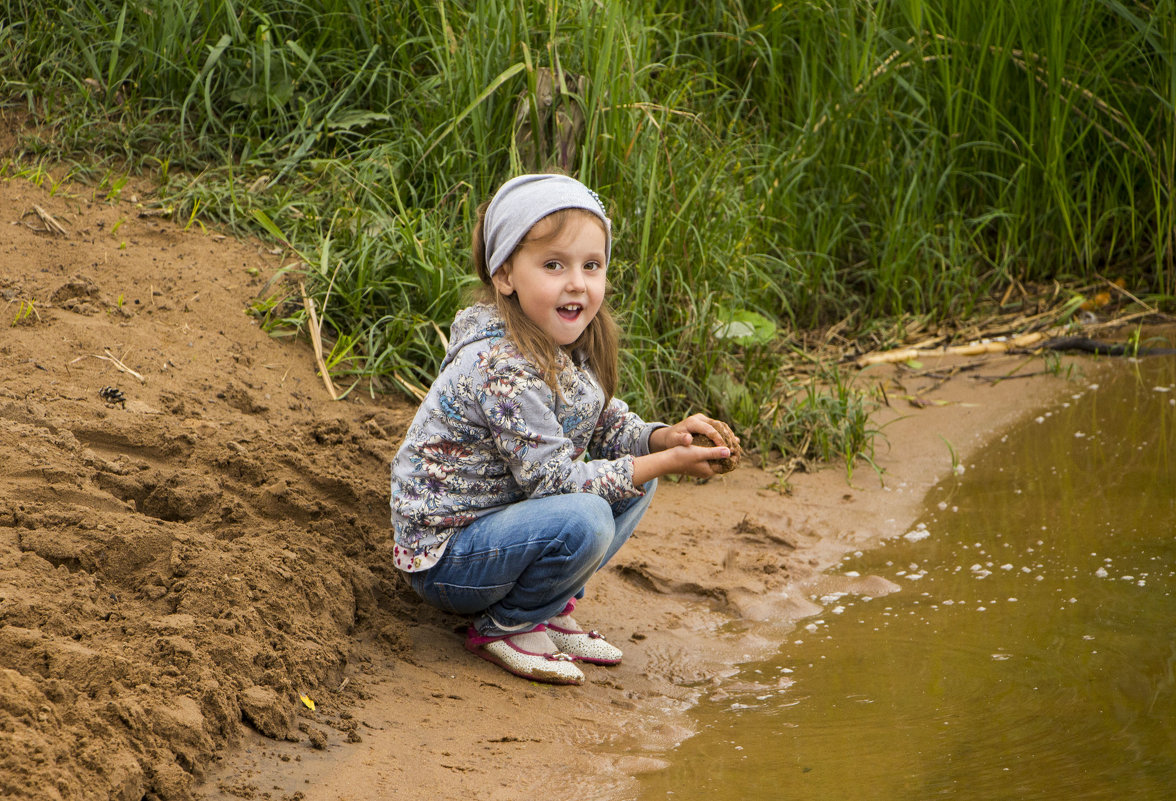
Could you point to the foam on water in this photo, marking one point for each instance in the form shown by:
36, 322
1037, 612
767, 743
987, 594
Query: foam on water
1010, 664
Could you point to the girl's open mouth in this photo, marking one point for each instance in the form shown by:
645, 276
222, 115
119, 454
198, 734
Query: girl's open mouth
569, 312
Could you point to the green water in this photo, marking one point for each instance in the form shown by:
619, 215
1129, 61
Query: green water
1030, 654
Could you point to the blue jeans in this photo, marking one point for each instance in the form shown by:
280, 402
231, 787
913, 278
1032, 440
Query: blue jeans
518, 567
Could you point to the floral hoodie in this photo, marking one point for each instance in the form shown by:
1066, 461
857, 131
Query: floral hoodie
491, 433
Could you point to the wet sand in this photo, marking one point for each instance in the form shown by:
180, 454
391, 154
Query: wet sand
717, 574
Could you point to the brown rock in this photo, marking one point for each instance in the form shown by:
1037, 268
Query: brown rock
731, 441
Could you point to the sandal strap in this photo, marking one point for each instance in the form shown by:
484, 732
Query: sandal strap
594, 634
474, 639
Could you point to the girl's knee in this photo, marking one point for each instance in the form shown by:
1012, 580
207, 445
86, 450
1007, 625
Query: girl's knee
589, 525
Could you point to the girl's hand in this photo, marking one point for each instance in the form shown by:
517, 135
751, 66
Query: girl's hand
671, 451
698, 461
682, 434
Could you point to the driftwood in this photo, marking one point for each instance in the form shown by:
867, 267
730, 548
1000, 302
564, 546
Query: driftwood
971, 349
1021, 344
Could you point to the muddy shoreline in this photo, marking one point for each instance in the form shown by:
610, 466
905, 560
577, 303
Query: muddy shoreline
717, 574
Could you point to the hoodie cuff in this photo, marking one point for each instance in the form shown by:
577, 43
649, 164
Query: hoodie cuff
643, 438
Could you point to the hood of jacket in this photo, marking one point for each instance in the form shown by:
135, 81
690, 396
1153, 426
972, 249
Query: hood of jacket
472, 324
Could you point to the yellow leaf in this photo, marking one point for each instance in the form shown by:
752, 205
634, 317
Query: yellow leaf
309, 703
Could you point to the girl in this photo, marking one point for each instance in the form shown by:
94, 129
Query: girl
496, 513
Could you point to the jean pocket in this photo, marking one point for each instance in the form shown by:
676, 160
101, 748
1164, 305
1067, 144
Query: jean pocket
466, 600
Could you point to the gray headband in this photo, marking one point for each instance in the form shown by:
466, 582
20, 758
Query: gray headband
521, 202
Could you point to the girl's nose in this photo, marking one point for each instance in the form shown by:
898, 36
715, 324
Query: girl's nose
576, 279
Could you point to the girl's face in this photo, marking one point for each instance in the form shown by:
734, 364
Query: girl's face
559, 280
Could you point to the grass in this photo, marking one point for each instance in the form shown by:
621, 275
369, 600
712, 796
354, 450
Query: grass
806, 164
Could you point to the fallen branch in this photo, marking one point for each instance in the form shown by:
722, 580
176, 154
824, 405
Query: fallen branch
1087, 345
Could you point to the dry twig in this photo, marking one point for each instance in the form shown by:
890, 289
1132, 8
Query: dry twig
52, 226
411, 387
110, 357
316, 338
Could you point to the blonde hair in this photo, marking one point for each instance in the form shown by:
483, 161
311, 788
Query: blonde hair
600, 341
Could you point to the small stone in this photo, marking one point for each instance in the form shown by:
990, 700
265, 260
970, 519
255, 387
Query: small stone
731, 441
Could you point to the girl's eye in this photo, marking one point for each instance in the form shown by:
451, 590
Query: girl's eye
551, 265
592, 266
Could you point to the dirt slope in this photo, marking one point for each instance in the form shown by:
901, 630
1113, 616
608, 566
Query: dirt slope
187, 558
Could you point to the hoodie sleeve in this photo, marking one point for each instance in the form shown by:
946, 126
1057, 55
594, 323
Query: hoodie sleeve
619, 431
519, 411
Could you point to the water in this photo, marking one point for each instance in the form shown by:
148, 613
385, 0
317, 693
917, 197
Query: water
1030, 654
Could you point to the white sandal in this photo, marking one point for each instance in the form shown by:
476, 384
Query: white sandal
553, 667
584, 646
